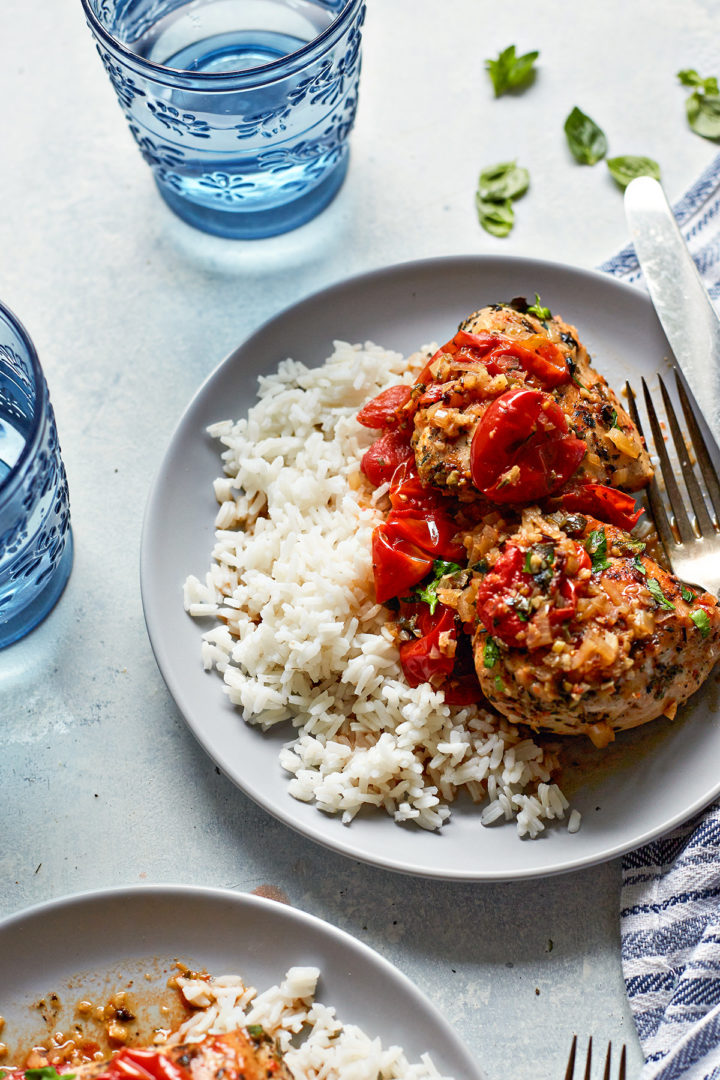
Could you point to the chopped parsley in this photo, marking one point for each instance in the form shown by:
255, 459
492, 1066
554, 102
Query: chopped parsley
687, 596
538, 309
429, 592
701, 620
596, 547
658, 595
491, 652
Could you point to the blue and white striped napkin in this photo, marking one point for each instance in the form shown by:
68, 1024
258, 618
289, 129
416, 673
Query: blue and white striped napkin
670, 903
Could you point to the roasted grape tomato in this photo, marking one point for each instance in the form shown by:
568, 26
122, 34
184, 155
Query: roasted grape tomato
495, 594
545, 361
521, 449
398, 564
384, 410
605, 503
407, 492
433, 532
142, 1064
425, 658
380, 461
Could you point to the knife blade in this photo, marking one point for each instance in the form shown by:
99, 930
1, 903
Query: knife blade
679, 297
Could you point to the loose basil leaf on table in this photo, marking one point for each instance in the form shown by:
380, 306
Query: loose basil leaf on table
586, 140
506, 180
509, 71
628, 167
703, 105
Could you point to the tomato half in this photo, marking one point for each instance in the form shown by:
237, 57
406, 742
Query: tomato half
521, 449
424, 659
142, 1064
407, 492
498, 586
398, 564
546, 362
384, 410
605, 503
380, 461
433, 532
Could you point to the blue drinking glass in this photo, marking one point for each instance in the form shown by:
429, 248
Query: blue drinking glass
36, 550
242, 108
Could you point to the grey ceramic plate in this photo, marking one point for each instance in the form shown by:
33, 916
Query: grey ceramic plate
649, 780
93, 943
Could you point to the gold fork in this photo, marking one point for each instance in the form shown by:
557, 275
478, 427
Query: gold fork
692, 547
570, 1071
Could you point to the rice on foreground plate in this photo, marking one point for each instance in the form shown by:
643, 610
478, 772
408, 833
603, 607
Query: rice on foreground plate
313, 1040
297, 634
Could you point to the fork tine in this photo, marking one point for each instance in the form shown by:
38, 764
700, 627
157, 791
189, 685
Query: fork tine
682, 521
588, 1059
606, 1074
698, 503
657, 506
701, 451
621, 1074
570, 1071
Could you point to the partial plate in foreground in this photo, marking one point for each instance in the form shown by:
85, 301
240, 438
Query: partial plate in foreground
647, 781
90, 945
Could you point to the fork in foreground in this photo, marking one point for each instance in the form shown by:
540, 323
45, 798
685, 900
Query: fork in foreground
693, 550
570, 1072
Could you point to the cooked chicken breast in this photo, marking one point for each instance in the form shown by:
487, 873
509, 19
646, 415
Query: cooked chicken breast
462, 389
244, 1054
579, 630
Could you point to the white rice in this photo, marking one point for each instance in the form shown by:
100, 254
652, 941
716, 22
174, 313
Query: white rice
298, 636
316, 1045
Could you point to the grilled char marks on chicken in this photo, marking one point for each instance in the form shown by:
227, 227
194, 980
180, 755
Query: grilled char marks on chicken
579, 631
463, 388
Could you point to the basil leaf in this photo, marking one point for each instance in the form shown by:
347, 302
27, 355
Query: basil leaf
596, 547
429, 592
538, 309
701, 620
638, 565
508, 71
703, 113
624, 169
586, 140
690, 77
491, 652
506, 180
687, 596
47, 1072
496, 218
658, 595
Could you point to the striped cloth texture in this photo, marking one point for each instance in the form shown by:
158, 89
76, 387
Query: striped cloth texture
670, 900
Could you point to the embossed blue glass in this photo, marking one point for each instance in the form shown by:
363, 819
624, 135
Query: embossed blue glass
36, 550
242, 108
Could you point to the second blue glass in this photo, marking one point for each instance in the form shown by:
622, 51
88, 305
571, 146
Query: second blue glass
242, 108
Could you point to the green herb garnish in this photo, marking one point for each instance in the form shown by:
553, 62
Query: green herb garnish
586, 140
703, 105
499, 685
596, 547
508, 71
498, 186
627, 168
521, 606
701, 620
638, 565
481, 567
255, 1031
658, 595
429, 592
614, 420
47, 1072
687, 596
538, 309
491, 652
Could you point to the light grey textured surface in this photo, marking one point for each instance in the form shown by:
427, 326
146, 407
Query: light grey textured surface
100, 781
